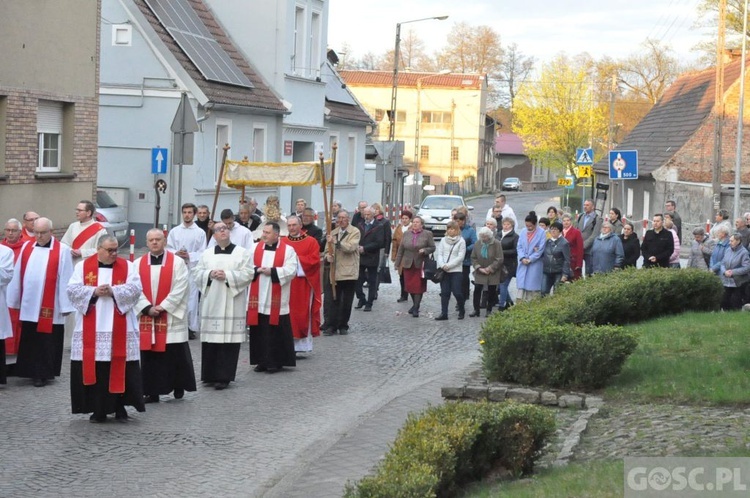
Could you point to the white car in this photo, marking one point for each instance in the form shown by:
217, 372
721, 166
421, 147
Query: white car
112, 217
435, 210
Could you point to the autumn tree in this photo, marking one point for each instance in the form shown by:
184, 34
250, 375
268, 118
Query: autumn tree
471, 49
514, 68
412, 55
649, 72
559, 112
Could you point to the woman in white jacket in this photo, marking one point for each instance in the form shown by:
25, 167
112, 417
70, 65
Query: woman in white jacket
449, 255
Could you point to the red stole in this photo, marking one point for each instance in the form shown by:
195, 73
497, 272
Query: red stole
85, 235
155, 324
15, 246
252, 305
119, 329
47, 310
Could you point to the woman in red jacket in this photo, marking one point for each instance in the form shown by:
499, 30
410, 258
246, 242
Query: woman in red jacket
573, 236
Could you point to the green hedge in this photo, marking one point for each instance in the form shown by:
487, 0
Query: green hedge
447, 446
574, 338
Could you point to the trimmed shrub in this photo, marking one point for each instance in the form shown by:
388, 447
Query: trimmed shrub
446, 446
573, 338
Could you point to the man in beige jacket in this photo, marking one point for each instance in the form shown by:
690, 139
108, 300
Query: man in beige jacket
342, 251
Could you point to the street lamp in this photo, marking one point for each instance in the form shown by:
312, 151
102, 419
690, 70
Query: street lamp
394, 88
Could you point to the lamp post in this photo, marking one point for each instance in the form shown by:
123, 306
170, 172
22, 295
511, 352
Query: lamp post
394, 87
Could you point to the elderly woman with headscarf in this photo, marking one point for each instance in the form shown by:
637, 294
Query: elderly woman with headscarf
607, 253
491, 223
700, 249
416, 245
734, 273
487, 262
530, 251
404, 223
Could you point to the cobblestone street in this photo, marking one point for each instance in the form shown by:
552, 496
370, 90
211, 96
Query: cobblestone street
302, 432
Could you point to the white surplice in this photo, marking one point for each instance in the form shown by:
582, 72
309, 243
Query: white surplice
6, 275
193, 240
176, 302
88, 248
286, 273
239, 236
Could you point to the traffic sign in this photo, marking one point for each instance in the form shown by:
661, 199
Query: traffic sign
623, 165
565, 181
158, 161
585, 156
584, 171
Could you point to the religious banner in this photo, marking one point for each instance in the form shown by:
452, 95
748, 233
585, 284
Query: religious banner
238, 174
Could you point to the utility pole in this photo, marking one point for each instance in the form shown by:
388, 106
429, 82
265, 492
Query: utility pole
719, 106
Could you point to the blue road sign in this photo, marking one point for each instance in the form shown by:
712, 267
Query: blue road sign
572, 182
585, 157
158, 161
623, 165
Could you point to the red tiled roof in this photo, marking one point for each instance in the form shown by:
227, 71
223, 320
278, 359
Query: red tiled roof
409, 79
679, 113
259, 97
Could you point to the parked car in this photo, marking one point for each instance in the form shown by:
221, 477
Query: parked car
512, 183
435, 210
112, 217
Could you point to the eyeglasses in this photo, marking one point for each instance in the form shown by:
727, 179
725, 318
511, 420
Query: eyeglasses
80, 210
12, 230
110, 251
221, 229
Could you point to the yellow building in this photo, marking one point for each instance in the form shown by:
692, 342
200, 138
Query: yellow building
440, 117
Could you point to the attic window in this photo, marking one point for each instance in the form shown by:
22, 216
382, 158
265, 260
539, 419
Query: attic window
122, 35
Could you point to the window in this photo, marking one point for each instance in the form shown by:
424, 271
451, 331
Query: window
426, 180
315, 48
222, 137
424, 151
49, 128
122, 35
351, 160
379, 114
298, 56
259, 144
436, 117
454, 153
401, 116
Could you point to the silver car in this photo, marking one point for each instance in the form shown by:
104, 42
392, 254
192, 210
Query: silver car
112, 217
435, 210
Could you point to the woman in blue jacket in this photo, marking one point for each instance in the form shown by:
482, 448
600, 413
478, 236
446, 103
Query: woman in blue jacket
531, 244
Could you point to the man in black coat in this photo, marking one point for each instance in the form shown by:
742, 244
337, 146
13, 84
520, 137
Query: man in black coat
372, 240
658, 245
309, 226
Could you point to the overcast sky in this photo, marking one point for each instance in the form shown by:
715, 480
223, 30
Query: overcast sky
541, 28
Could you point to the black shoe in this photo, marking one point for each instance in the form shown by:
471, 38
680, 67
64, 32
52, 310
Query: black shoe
191, 335
40, 382
121, 413
260, 368
441, 317
179, 393
474, 313
368, 307
402, 299
221, 386
97, 419
461, 314
359, 305
411, 310
415, 313
343, 331
329, 332
152, 398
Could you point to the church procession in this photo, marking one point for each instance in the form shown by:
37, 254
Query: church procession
251, 277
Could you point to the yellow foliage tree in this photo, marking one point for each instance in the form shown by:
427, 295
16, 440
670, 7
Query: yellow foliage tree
559, 113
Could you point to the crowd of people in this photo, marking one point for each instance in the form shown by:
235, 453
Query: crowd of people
270, 279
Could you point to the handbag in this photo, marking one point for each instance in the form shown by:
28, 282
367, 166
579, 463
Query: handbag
384, 275
430, 269
439, 272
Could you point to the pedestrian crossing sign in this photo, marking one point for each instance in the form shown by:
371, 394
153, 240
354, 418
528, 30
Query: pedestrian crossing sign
585, 156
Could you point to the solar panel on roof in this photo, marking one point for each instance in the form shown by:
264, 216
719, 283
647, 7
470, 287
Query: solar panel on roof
184, 25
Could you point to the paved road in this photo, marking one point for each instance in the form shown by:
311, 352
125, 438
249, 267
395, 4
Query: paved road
302, 432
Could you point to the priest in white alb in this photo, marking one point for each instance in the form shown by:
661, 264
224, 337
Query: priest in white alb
83, 234
222, 275
271, 339
166, 361
105, 372
37, 290
6, 326
188, 241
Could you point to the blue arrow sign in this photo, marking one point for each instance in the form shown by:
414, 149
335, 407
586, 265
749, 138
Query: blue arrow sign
623, 165
585, 157
158, 161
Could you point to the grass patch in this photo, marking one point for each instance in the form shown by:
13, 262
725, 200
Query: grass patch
693, 358
600, 479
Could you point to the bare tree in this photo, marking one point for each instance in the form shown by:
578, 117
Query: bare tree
514, 69
648, 73
472, 49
